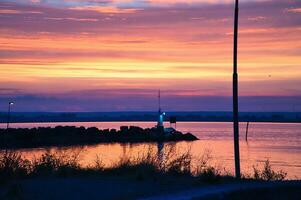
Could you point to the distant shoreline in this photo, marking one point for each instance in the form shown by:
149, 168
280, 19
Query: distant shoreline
198, 116
96, 121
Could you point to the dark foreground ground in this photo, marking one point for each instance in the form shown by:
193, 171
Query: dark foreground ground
120, 188
273, 193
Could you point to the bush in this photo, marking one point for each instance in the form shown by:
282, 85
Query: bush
12, 166
209, 175
179, 165
51, 163
141, 167
268, 174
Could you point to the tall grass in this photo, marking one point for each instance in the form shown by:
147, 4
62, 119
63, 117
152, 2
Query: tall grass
268, 174
56, 163
148, 165
12, 165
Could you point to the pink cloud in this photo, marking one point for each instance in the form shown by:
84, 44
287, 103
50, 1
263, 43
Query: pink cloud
193, 39
105, 9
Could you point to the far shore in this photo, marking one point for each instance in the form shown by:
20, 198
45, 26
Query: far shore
192, 121
146, 116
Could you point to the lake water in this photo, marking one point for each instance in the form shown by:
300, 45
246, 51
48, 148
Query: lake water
277, 142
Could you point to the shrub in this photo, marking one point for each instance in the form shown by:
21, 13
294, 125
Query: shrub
140, 166
51, 163
12, 165
98, 164
268, 174
179, 165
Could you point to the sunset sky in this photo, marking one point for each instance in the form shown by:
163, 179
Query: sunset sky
113, 55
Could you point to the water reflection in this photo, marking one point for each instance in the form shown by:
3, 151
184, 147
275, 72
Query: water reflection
160, 152
280, 143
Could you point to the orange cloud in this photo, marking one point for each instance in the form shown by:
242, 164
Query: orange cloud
294, 10
72, 19
11, 11
184, 48
106, 9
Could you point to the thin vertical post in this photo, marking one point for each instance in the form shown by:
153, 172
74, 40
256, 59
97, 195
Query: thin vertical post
247, 131
159, 100
159, 124
8, 115
235, 95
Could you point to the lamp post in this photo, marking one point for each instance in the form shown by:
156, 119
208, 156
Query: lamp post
8, 113
235, 95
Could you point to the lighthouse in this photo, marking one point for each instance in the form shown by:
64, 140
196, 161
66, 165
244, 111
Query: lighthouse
160, 125
160, 113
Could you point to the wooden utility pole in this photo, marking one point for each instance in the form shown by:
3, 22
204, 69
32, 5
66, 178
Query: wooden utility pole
235, 96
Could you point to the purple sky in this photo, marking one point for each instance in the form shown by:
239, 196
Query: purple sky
114, 55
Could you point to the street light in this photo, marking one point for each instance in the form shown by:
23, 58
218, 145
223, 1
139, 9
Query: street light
235, 95
8, 113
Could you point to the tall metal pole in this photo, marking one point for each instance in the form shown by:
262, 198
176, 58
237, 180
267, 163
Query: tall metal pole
235, 95
8, 114
159, 124
159, 100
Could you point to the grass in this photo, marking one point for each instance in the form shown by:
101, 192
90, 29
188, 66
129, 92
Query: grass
143, 167
268, 174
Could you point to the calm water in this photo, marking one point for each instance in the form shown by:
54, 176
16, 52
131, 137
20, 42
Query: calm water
280, 143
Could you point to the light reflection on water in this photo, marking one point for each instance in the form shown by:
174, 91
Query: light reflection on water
280, 143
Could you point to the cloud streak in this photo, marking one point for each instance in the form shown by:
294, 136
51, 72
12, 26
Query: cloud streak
50, 47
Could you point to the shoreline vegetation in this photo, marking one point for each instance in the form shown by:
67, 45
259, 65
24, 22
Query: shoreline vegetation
148, 171
149, 165
71, 135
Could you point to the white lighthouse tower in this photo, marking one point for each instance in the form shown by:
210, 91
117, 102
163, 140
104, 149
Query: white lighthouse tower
160, 113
